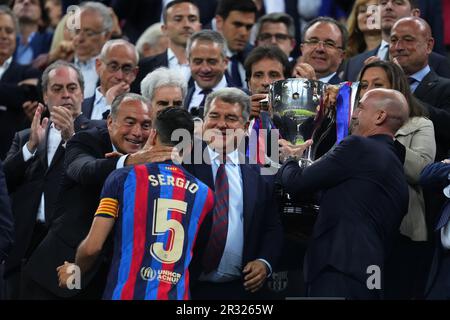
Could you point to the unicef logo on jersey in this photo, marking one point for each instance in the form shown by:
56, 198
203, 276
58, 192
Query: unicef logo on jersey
148, 274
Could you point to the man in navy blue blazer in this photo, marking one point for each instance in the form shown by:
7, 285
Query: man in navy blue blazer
390, 13
254, 234
365, 196
435, 178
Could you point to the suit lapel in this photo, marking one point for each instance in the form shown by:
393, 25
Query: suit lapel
87, 106
42, 149
426, 84
189, 95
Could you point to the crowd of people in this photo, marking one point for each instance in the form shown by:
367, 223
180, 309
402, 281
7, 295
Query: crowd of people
126, 169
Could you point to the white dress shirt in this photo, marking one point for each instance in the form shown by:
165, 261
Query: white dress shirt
445, 231
53, 142
90, 76
383, 50
5, 66
327, 78
197, 97
174, 64
100, 105
230, 266
418, 76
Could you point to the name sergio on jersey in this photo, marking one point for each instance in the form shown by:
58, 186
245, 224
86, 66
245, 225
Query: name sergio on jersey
163, 180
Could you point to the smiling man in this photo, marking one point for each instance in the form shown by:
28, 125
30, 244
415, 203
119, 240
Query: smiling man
117, 68
35, 163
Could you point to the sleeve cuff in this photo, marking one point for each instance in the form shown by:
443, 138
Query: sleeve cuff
27, 155
268, 266
121, 162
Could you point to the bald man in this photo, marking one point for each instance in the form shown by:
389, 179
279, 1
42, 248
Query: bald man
365, 196
411, 47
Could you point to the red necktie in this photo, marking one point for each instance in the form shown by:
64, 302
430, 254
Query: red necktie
218, 236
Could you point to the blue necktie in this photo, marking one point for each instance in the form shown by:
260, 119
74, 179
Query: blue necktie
205, 93
218, 236
235, 71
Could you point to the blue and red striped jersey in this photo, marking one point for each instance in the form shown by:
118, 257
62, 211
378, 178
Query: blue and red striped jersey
158, 210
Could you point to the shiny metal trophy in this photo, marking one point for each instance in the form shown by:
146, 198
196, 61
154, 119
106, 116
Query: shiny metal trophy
299, 100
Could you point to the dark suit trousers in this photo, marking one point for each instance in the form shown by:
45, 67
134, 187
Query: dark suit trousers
331, 283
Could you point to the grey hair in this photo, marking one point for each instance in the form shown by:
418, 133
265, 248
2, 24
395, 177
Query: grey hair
276, 17
102, 10
60, 64
230, 95
162, 77
207, 35
115, 105
150, 36
6, 10
108, 44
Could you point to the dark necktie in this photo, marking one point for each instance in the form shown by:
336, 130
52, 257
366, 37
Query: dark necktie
386, 56
218, 236
235, 75
106, 114
445, 217
205, 93
411, 80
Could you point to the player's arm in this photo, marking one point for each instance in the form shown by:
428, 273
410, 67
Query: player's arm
90, 248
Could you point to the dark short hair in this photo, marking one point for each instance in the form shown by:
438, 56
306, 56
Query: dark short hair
174, 3
224, 7
399, 82
276, 17
270, 52
59, 64
341, 27
414, 4
170, 119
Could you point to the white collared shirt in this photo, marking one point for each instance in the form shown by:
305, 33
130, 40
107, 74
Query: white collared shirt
100, 105
53, 142
230, 266
383, 50
5, 66
184, 69
445, 231
327, 78
90, 76
197, 97
418, 76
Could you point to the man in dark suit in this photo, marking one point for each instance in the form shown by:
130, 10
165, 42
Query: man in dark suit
238, 255
116, 68
6, 226
365, 196
413, 56
435, 178
181, 19
390, 13
91, 156
324, 43
234, 20
32, 41
35, 162
17, 85
208, 62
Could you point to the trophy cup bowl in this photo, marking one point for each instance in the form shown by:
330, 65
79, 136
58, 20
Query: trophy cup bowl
299, 100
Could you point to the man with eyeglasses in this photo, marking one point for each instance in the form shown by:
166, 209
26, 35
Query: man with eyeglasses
116, 67
276, 29
96, 26
323, 47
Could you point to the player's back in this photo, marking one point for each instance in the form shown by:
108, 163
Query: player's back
161, 207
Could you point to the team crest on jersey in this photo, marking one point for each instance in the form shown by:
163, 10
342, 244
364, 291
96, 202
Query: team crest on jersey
170, 277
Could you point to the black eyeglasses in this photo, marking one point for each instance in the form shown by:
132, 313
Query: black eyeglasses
329, 44
269, 36
114, 67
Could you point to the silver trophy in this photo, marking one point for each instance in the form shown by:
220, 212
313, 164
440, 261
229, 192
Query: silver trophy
299, 100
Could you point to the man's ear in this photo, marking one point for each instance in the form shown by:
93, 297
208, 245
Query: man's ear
219, 23
381, 117
153, 137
